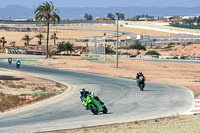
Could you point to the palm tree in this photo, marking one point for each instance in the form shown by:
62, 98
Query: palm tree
39, 36
54, 37
47, 14
3, 41
27, 39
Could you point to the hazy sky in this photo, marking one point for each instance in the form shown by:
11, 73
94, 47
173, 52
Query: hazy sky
104, 3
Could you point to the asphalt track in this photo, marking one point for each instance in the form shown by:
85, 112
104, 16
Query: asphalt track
122, 97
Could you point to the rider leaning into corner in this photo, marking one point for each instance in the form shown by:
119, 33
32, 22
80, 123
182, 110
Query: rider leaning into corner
139, 74
85, 93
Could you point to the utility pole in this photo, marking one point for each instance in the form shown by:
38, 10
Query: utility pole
117, 58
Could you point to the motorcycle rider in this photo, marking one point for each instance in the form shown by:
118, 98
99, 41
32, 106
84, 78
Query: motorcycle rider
85, 93
9, 60
18, 62
139, 74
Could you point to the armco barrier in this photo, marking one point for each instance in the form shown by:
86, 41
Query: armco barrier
19, 51
168, 57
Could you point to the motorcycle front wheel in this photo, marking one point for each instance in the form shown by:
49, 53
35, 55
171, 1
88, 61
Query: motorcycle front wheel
141, 87
93, 109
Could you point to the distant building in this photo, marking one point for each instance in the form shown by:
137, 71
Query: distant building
189, 17
102, 18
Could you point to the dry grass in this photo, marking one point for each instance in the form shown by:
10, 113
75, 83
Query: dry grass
8, 101
18, 90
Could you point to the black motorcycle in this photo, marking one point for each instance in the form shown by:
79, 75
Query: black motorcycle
18, 63
140, 82
9, 61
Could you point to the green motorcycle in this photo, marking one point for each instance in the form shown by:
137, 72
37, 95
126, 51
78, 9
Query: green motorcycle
94, 105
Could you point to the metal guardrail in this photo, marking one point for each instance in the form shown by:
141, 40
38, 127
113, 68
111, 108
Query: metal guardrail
168, 57
20, 51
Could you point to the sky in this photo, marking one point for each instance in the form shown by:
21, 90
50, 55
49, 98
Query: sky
103, 3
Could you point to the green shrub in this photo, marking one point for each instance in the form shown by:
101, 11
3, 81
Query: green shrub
175, 57
152, 52
169, 46
182, 57
109, 50
185, 26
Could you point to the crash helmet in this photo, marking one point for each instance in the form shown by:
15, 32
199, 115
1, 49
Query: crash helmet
140, 72
82, 91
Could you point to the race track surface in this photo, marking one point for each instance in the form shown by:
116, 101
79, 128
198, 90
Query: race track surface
124, 100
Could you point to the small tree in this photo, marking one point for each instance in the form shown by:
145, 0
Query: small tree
121, 16
69, 47
39, 36
109, 50
26, 39
13, 43
111, 16
54, 37
137, 46
61, 46
88, 16
3, 41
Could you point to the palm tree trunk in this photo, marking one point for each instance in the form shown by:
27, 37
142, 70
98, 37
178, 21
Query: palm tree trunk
40, 41
47, 39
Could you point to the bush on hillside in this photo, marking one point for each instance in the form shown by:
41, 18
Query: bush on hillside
152, 52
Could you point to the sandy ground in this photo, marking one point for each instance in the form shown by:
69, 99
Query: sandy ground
175, 50
80, 33
176, 124
180, 50
17, 90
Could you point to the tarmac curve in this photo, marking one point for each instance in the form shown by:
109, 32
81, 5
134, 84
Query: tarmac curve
124, 100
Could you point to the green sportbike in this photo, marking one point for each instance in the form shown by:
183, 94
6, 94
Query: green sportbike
94, 105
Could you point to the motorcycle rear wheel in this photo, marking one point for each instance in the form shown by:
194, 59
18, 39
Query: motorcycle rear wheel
105, 110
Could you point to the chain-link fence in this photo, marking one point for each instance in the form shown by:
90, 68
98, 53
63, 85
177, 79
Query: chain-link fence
97, 46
